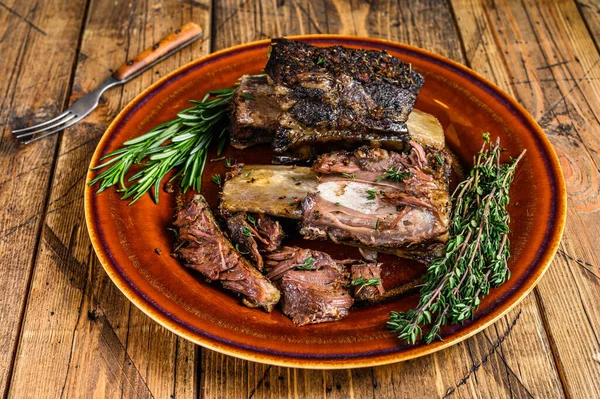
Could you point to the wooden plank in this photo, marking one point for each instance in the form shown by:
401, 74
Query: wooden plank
542, 53
82, 335
497, 354
30, 91
590, 11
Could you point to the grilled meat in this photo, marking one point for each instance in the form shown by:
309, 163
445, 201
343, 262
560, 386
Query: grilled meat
274, 190
255, 112
206, 250
385, 201
337, 97
312, 285
363, 274
254, 234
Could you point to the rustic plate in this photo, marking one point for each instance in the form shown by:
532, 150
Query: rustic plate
126, 237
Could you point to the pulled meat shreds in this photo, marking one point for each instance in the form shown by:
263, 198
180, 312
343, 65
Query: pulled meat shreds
312, 285
206, 250
254, 234
311, 297
289, 258
365, 273
386, 201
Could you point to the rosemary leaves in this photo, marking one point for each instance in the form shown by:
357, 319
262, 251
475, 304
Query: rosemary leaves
476, 253
182, 142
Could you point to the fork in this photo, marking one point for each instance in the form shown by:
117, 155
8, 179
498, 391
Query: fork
168, 46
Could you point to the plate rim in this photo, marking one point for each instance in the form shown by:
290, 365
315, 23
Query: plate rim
146, 305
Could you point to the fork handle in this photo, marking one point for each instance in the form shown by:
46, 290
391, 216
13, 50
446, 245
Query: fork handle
168, 45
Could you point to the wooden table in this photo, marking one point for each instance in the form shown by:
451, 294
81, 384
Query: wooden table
65, 330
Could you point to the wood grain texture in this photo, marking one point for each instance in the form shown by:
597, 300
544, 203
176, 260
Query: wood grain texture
30, 92
78, 336
590, 11
541, 53
79, 332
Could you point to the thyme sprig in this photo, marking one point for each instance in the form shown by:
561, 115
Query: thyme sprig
398, 175
307, 265
182, 142
363, 282
476, 253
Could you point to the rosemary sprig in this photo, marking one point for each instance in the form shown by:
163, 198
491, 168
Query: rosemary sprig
182, 142
476, 253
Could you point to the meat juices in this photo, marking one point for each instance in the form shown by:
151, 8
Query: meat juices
206, 250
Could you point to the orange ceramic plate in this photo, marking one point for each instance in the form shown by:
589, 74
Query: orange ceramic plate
125, 237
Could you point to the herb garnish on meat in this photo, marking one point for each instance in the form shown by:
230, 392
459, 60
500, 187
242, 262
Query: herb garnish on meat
476, 253
217, 179
363, 282
247, 231
307, 265
398, 175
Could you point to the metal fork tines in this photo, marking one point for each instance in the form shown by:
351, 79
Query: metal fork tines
145, 60
80, 109
54, 125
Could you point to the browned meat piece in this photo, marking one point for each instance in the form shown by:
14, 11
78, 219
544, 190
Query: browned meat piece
290, 258
366, 281
385, 201
312, 285
254, 234
311, 297
337, 97
255, 112
256, 117
206, 250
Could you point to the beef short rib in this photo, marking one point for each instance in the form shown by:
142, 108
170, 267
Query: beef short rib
337, 97
380, 200
255, 114
205, 249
